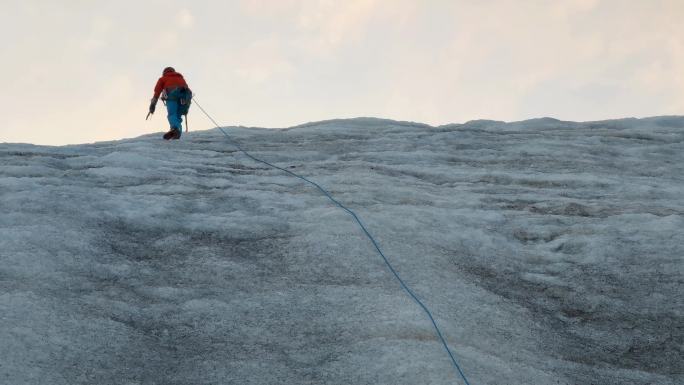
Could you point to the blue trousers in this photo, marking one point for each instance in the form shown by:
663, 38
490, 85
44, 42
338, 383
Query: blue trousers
174, 116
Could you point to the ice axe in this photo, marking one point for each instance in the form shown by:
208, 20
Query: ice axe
153, 103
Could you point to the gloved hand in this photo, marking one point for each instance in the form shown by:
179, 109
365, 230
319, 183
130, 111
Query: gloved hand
153, 105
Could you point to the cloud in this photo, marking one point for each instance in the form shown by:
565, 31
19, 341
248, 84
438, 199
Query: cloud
185, 19
568, 8
321, 26
333, 23
97, 37
261, 61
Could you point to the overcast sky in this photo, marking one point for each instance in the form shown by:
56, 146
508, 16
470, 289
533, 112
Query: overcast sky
82, 71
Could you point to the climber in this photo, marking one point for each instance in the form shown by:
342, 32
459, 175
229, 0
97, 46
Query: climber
174, 91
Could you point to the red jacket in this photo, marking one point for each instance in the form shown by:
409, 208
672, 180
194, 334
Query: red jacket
169, 81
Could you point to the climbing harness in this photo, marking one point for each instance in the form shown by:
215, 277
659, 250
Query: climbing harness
363, 227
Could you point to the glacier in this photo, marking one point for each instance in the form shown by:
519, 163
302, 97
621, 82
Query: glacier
549, 252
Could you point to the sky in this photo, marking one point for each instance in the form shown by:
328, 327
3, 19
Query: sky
79, 71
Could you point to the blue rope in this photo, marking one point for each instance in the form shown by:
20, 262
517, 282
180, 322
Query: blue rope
363, 227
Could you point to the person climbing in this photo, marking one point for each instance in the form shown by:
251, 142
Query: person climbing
174, 91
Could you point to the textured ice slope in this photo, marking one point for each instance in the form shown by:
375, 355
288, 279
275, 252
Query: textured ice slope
550, 253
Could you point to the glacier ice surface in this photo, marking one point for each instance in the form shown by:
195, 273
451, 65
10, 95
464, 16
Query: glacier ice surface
550, 252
